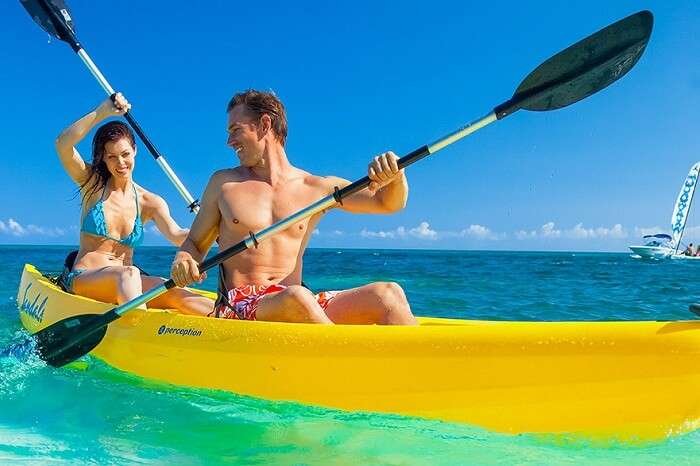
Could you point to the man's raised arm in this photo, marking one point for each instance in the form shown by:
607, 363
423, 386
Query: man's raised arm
387, 192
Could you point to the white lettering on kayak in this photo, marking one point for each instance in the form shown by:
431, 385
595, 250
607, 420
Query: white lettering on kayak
187, 332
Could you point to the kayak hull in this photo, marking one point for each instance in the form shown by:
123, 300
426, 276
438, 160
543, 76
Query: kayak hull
627, 380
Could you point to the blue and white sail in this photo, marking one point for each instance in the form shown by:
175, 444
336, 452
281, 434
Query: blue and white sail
682, 207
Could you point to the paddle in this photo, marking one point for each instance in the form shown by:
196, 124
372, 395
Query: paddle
579, 71
694, 308
54, 17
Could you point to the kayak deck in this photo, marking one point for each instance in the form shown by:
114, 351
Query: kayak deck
628, 380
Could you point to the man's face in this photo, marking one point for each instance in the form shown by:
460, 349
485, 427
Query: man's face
244, 137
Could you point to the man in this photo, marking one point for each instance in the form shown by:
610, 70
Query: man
689, 250
265, 283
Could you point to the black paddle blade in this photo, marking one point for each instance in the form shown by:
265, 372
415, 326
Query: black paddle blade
46, 12
584, 68
69, 339
694, 308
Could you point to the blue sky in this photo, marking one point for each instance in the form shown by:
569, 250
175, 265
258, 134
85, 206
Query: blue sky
359, 78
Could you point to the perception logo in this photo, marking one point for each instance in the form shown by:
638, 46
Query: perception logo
185, 332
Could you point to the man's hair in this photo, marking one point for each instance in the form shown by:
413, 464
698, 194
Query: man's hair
259, 103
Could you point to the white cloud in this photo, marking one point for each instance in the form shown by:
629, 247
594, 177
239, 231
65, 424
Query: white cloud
548, 231
481, 232
524, 235
325, 233
44, 231
377, 234
422, 231
477, 231
579, 231
14, 228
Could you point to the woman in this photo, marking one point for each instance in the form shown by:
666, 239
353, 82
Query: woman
114, 211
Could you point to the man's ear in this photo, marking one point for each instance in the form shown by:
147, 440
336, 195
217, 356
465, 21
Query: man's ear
265, 123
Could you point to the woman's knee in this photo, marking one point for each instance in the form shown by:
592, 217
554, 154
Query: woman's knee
129, 274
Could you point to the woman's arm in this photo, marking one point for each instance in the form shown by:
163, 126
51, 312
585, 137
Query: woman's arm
69, 156
165, 222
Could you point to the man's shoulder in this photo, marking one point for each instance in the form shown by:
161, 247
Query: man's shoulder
227, 175
322, 182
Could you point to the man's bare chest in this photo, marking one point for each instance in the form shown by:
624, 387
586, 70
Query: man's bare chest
253, 206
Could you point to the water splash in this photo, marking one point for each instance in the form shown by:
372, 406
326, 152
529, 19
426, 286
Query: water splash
18, 363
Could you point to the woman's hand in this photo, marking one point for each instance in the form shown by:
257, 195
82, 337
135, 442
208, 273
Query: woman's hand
116, 106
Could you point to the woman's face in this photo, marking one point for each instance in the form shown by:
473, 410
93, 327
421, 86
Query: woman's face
119, 157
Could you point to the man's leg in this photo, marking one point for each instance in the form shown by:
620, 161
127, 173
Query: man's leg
294, 304
375, 303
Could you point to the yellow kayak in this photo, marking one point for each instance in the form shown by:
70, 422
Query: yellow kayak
627, 380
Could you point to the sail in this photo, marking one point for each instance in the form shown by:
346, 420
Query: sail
685, 197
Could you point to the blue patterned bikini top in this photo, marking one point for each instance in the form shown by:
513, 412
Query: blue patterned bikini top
94, 223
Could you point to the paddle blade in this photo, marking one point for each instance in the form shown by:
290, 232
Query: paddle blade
694, 308
52, 16
584, 68
69, 339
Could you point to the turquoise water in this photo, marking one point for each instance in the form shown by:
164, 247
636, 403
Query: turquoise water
97, 415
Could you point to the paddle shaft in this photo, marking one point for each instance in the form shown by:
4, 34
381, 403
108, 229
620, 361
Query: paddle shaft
68, 36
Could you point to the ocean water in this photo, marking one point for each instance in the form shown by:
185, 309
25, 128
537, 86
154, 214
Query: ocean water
93, 414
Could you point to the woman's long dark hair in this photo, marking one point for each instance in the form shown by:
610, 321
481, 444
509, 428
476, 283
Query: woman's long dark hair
99, 174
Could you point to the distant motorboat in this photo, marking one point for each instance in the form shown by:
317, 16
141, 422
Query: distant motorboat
662, 246
656, 247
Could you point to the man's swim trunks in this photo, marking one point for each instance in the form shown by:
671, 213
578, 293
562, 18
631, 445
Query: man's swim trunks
243, 301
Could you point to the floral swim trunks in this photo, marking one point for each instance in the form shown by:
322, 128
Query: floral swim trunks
243, 301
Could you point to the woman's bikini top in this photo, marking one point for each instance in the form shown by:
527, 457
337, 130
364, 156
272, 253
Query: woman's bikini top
94, 223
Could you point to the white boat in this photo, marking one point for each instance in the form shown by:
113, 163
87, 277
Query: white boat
656, 247
662, 246
684, 257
